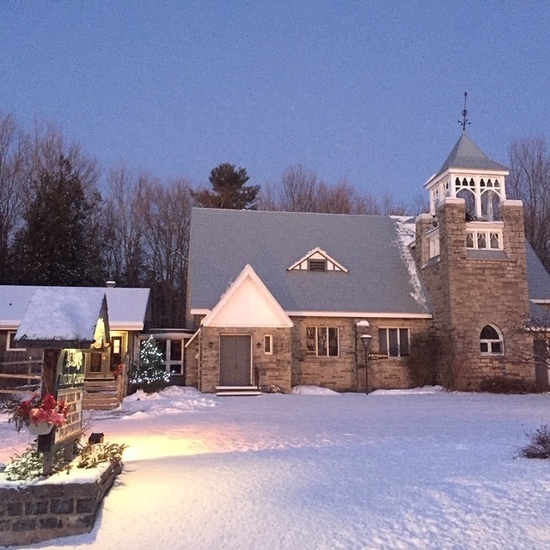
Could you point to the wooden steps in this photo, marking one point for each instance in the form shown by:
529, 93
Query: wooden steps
101, 395
228, 391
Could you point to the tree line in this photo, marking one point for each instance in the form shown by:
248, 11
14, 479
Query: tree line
66, 221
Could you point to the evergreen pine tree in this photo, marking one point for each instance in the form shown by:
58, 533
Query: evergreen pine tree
149, 373
59, 242
228, 189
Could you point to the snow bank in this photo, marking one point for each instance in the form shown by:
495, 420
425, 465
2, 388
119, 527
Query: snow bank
312, 390
171, 400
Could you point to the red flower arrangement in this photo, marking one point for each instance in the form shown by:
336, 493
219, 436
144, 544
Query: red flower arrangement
116, 370
37, 410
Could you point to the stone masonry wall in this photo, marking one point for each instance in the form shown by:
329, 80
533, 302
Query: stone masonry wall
273, 369
192, 363
336, 373
34, 513
468, 294
347, 372
388, 372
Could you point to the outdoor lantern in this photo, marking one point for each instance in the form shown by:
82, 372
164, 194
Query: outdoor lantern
366, 340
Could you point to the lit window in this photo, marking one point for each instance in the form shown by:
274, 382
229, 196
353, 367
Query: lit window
322, 341
490, 341
394, 342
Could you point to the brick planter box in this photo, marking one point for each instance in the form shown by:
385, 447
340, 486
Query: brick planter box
35, 513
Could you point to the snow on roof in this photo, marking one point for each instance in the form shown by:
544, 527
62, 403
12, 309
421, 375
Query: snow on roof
406, 235
62, 314
127, 306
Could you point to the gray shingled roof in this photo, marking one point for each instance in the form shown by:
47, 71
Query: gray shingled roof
538, 277
379, 279
466, 154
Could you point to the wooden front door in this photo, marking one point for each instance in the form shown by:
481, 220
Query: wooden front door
235, 361
97, 365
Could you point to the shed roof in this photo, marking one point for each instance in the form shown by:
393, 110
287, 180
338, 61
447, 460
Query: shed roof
381, 278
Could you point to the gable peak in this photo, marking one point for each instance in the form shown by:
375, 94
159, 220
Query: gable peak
317, 260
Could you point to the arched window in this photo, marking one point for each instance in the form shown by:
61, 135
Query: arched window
470, 200
490, 205
490, 341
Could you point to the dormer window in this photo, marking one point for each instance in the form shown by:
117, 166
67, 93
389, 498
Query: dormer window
318, 260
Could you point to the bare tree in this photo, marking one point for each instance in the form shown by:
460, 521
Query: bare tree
339, 199
390, 207
13, 147
166, 213
267, 198
529, 181
298, 190
123, 229
47, 145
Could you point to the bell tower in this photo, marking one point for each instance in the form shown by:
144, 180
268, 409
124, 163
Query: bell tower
471, 252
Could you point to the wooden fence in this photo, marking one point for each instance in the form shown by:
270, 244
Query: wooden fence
20, 377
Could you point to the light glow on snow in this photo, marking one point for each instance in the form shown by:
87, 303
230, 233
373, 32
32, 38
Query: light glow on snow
408, 469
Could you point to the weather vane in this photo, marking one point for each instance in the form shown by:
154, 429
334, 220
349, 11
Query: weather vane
464, 122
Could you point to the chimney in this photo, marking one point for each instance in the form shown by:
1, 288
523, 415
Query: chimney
110, 284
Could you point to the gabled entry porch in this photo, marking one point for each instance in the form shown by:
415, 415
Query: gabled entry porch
243, 343
237, 375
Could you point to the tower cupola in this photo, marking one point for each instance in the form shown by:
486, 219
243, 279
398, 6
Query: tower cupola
470, 174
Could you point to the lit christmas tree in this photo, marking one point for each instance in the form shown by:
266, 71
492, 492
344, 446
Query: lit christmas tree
149, 373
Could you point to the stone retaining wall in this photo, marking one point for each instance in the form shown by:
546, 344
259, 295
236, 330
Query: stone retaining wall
34, 513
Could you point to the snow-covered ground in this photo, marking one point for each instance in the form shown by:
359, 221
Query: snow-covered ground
318, 470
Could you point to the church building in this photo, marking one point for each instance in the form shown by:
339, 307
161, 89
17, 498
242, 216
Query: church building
281, 299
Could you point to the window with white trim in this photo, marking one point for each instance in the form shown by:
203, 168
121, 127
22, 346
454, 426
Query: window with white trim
490, 341
394, 342
484, 240
10, 345
323, 341
172, 350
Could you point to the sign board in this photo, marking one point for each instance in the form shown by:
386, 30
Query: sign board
70, 369
72, 429
70, 382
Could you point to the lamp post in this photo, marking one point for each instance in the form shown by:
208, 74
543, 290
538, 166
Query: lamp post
366, 340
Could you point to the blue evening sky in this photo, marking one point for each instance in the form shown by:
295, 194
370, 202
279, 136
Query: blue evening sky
367, 91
